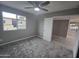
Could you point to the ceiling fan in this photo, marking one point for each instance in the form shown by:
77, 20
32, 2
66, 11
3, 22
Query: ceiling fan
38, 5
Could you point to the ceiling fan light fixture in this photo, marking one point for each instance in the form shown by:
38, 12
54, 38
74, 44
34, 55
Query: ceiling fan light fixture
36, 9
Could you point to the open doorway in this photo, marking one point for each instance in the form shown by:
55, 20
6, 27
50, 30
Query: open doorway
65, 30
60, 29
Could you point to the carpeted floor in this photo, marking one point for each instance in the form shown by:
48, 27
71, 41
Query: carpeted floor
34, 48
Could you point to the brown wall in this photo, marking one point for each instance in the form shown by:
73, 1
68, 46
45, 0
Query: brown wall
60, 27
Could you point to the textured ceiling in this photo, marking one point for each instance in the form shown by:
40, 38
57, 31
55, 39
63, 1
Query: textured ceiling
52, 7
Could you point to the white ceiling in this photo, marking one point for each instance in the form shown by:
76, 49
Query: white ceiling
52, 7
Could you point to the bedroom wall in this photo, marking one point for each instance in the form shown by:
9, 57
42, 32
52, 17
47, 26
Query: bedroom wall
73, 37
74, 11
0, 24
31, 26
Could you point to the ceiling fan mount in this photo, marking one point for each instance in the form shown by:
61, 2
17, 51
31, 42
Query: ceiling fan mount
38, 5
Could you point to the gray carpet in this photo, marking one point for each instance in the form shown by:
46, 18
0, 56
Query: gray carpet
34, 48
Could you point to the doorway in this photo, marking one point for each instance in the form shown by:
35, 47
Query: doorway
65, 32
60, 30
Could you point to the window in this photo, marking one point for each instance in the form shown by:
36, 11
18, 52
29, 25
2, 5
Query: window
74, 26
21, 22
13, 22
9, 15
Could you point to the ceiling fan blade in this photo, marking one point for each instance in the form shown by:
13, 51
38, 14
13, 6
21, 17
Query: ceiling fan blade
43, 9
34, 3
44, 3
28, 7
31, 2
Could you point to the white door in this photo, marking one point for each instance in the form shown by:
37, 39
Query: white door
47, 30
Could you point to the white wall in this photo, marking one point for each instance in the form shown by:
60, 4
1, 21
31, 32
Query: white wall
40, 27
31, 26
73, 37
76, 45
47, 29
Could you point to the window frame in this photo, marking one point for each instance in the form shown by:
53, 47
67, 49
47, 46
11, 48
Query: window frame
16, 21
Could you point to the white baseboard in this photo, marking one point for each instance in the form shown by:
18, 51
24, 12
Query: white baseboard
17, 40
